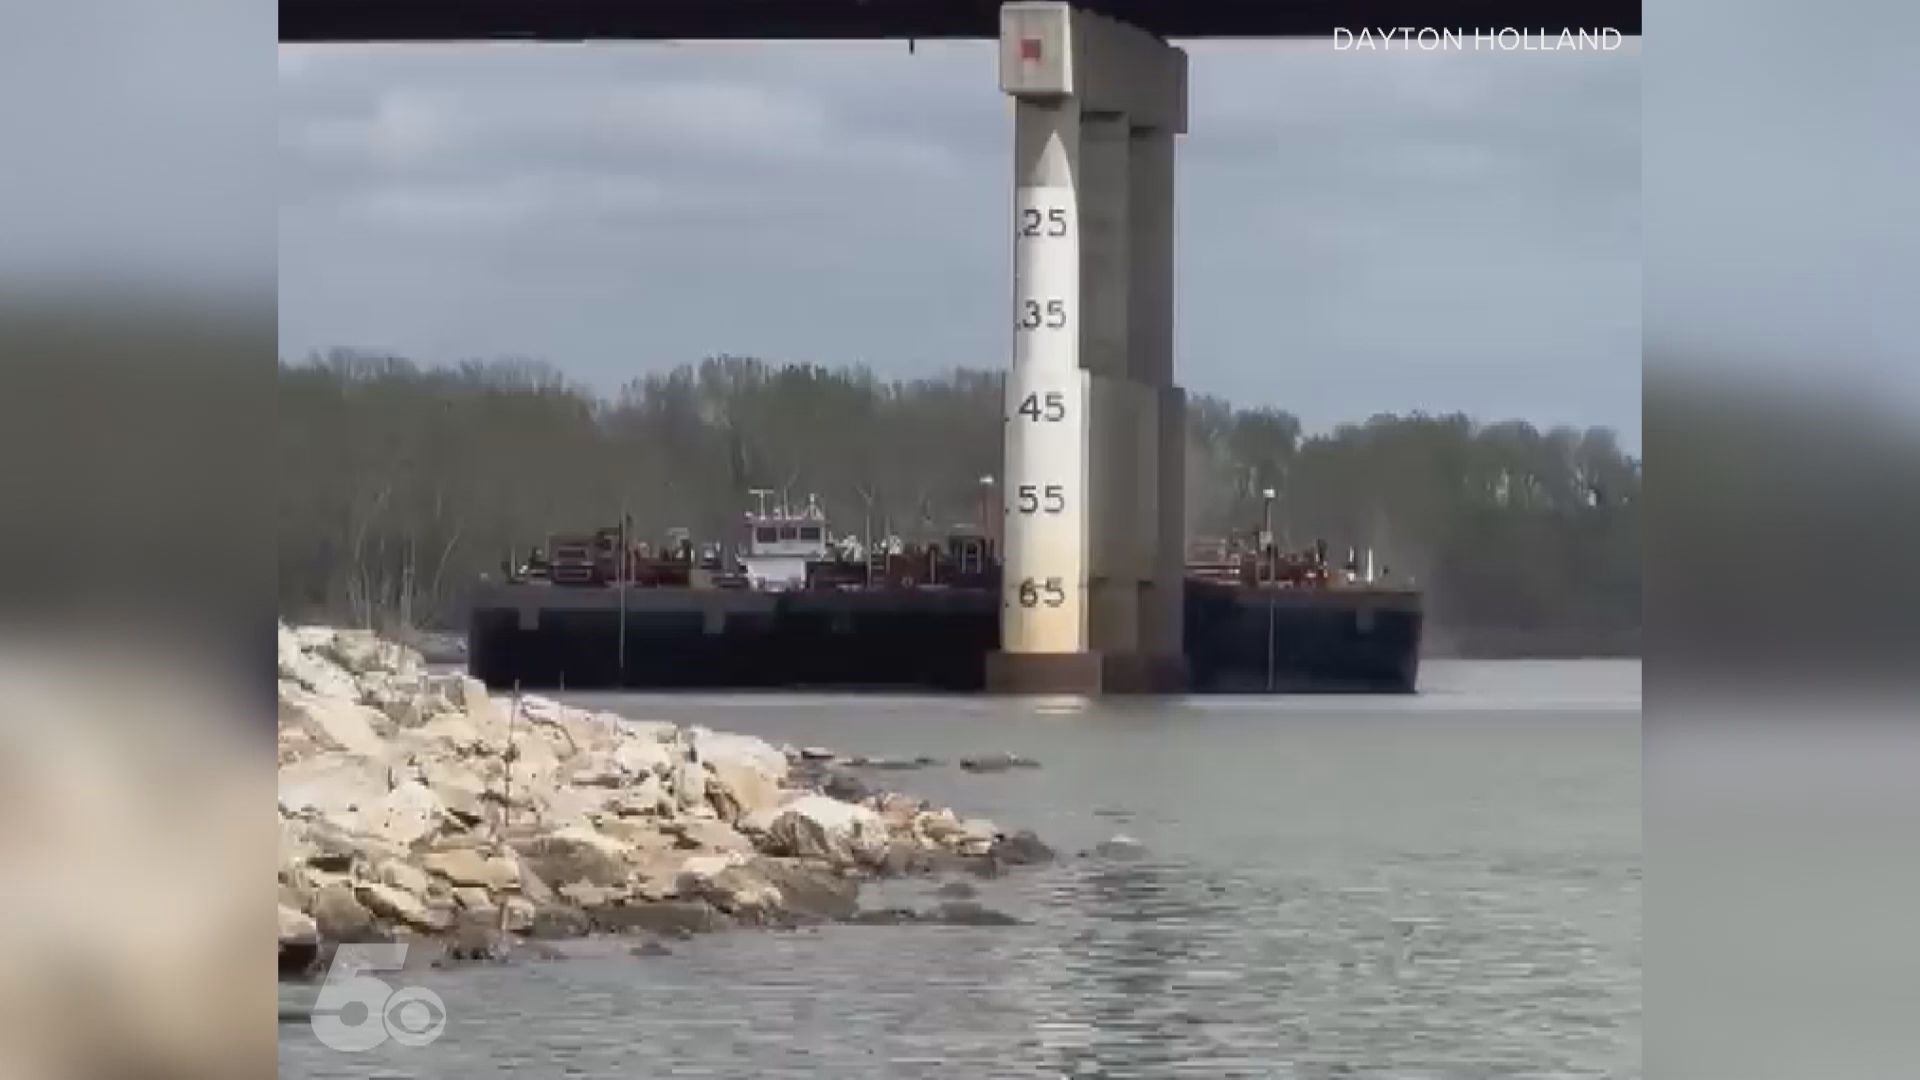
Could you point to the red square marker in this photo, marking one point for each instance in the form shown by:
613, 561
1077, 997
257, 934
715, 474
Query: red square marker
1030, 49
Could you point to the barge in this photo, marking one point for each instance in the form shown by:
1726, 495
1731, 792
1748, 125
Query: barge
795, 608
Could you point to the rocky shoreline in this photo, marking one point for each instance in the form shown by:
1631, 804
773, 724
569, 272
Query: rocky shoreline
414, 806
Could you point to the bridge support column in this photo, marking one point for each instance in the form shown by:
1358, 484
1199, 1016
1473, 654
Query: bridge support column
1095, 427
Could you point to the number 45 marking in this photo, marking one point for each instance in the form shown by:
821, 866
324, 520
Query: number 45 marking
1052, 410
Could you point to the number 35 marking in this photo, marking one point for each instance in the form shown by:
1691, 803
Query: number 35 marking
1032, 316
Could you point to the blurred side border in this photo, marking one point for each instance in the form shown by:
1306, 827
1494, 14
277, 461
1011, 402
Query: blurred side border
1782, 677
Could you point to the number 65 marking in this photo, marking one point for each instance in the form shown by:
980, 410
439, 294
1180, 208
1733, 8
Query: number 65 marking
1052, 593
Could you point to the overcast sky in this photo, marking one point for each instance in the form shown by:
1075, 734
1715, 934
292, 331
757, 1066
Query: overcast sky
1357, 233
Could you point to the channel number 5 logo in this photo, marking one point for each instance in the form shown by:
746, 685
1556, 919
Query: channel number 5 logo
356, 1011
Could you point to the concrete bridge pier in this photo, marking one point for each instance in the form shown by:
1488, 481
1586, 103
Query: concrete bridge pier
1095, 427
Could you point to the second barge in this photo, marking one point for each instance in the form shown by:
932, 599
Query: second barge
794, 612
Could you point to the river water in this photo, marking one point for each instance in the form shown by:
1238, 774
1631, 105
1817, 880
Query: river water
1438, 886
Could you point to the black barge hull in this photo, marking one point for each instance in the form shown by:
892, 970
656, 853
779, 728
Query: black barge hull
1301, 641
1238, 640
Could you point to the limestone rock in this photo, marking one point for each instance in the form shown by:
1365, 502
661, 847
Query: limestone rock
598, 769
327, 848
461, 791
569, 806
552, 922
314, 674
488, 714
566, 731
403, 703
976, 836
903, 857
645, 834
818, 827
689, 785
520, 913
708, 864
297, 927
809, 890
583, 895
645, 797
467, 867
361, 798
333, 787
703, 835
535, 767
940, 826
743, 773
299, 951
737, 891
450, 733
668, 918
395, 782
719, 746
898, 811
362, 651
477, 942
404, 815
533, 887
578, 854
465, 692
639, 755
340, 916
845, 786
405, 877
388, 902
656, 876
335, 723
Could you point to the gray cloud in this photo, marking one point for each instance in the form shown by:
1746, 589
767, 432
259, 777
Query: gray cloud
1358, 232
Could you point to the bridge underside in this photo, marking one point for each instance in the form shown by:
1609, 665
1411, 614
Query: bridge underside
575, 20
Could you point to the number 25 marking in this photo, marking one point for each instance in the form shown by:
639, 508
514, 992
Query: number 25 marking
1033, 224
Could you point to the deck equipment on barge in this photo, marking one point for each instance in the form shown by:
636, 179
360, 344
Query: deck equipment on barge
790, 604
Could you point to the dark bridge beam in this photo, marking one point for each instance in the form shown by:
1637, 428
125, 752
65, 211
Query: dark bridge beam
575, 20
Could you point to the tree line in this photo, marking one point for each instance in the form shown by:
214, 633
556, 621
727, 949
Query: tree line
402, 484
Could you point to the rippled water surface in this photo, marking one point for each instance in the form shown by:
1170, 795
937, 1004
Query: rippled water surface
1441, 886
